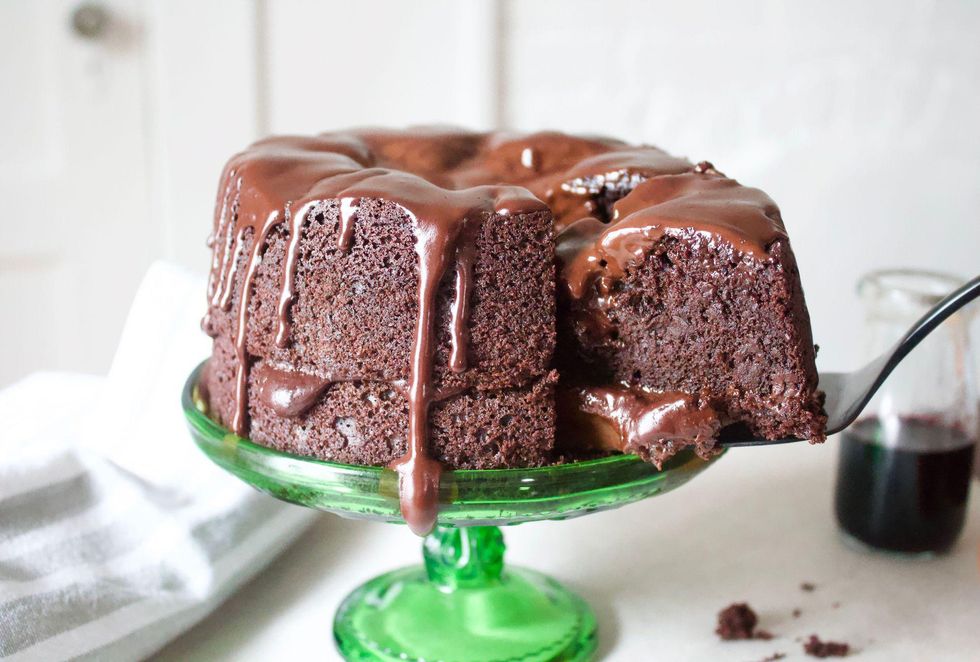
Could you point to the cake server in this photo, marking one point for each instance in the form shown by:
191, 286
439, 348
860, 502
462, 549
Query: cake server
847, 393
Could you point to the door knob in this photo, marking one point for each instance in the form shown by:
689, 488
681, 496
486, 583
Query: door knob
90, 20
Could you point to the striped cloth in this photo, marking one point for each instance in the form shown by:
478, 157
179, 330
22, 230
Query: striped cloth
116, 534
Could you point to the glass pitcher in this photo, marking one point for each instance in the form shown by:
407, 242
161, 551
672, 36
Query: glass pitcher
905, 466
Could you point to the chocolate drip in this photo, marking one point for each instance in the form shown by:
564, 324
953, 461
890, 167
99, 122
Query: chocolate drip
653, 425
286, 287
228, 266
348, 208
226, 257
461, 305
289, 393
240, 420
612, 201
418, 483
223, 231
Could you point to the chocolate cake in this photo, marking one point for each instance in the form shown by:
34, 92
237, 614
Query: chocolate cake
422, 299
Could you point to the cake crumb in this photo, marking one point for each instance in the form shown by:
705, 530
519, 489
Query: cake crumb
797, 612
817, 648
836, 605
772, 658
809, 587
738, 621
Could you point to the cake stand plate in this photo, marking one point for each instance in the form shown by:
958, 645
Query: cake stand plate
462, 605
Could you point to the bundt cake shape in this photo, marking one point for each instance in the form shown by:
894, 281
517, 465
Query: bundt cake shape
424, 298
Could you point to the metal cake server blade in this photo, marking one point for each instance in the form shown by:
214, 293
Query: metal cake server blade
847, 393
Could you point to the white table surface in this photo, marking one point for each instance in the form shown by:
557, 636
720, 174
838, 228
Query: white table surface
752, 528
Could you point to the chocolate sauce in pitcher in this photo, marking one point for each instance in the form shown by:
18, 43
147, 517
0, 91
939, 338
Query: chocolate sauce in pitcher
904, 470
903, 484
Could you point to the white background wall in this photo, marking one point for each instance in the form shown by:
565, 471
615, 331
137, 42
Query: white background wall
860, 119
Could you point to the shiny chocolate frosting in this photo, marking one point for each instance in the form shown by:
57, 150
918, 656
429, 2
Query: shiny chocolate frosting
653, 425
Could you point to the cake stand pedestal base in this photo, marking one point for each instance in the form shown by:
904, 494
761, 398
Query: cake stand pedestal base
464, 606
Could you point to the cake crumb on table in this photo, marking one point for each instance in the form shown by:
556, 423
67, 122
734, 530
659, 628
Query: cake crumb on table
738, 621
817, 648
809, 587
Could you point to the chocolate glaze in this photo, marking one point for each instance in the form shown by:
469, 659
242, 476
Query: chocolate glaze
702, 201
288, 392
609, 200
653, 425
618, 172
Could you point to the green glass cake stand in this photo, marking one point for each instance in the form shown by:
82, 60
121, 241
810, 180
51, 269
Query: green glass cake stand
462, 604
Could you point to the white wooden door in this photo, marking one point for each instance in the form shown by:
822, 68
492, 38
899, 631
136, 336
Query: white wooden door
112, 136
72, 175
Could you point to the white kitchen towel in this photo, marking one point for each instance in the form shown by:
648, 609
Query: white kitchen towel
116, 533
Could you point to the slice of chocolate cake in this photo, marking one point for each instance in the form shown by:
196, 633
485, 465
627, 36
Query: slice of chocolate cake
691, 286
390, 298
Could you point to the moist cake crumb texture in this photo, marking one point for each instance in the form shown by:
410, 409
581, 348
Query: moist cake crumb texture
437, 298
